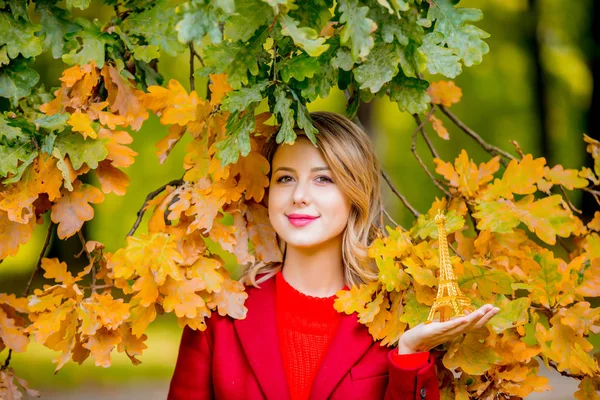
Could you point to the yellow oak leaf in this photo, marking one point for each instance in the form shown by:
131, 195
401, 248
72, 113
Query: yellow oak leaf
204, 207
141, 317
465, 175
595, 222
590, 285
121, 156
108, 119
241, 249
17, 199
520, 177
166, 144
230, 299
252, 170
71, 75
173, 104
157, 253
354, 300
207, 270
54, 269
111, 179
471, 354
101, 310
218, 88
182, 297
196, 160
123, 98
593, 148
12, 333
587, 389
444, 92
73, 208
131, 345
371, 309
102, 344
82, 123
569, 178
146, 288
387, 325
581, 318
13, 234
224, 235
262, 234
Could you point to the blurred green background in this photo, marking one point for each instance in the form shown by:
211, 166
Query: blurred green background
536, 86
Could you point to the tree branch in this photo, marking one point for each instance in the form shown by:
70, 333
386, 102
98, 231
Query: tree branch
493, 150
421, 126
571, 206
400, 195
192, 80
413, 148
150, 196
554, 366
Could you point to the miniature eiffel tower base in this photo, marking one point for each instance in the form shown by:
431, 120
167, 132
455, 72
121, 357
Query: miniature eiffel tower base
447, 304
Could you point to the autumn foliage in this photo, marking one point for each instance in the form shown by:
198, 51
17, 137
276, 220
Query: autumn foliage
517, 240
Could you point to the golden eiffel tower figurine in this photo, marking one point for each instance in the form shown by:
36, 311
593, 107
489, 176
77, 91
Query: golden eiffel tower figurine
449, 297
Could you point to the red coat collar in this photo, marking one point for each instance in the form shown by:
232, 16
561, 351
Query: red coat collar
258, 336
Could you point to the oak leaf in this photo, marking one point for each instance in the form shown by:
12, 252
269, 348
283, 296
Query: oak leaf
73, 208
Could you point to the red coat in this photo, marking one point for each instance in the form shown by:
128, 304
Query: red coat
240, 359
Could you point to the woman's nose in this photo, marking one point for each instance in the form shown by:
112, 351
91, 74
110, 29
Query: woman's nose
301, 194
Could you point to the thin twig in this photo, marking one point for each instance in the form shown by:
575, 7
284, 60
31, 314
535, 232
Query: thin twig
391, 219
421, 126
456, 252
192, 80
575, 209
595, 193
400, 195
150, 196
28, 287
493, 150
90, 259
413, 148
518, 148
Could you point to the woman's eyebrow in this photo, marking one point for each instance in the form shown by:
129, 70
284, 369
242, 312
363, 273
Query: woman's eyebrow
293, 170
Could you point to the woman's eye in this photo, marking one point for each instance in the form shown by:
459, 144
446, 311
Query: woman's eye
326, 178
281, 178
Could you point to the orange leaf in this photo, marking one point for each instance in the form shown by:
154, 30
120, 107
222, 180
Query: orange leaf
166, 144
439, 127
465, 175
262, 234
181, 296
58, 271
253, 171
71, 75
102, 344
112, 179
121, 156
13, 234
218, 88
444, 92
124, 99
17, 199
50, 178
73, 209
520, 177
230, 299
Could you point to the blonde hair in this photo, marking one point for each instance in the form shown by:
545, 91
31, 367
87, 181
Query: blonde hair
355, 167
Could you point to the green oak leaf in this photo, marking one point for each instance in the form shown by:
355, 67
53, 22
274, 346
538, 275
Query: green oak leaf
19, 37
80, 150
412, 60
92, 45
11, 134
452, 23
306, 38
238, 136
227, 6
285, 117
249, 16
409, 93
440, 59
16, 80
299, 68
55, 27
4, 60
319, 85
14, 159
305, 122
343, 59
198, 21
356, 33
395, 7
235, 59
18, 9
239, 100
156, 25
56, 122
379, 68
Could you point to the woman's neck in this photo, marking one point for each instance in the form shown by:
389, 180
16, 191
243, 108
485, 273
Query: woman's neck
318, 273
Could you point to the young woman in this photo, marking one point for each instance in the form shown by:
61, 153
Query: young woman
324, 203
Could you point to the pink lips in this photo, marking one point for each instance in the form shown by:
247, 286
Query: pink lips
300, 219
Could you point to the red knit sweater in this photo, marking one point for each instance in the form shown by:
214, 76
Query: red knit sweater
306, 325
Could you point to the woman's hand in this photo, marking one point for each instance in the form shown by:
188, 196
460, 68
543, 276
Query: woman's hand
424, 337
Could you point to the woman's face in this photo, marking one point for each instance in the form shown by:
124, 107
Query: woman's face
302, 185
